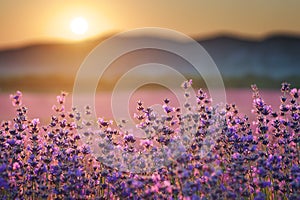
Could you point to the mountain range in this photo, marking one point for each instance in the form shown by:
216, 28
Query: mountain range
241, 62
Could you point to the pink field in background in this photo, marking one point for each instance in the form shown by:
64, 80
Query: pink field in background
40, 105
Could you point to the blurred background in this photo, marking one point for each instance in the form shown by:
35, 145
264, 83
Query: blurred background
43, 43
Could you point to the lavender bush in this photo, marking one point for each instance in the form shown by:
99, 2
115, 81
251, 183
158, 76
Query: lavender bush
248, 160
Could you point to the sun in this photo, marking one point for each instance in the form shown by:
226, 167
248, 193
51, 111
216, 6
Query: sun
79, 26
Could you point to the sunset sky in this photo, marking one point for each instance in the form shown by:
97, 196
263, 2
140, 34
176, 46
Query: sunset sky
24, 22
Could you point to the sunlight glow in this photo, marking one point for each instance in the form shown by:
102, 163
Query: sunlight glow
79, 26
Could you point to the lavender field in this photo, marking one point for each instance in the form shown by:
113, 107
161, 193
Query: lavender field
255, 157
40, 104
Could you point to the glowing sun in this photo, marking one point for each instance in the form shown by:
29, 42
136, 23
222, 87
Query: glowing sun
79, 26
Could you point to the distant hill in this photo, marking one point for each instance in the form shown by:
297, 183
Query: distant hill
240, 61
276, 57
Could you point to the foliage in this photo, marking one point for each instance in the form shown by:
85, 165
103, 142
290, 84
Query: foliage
249, 160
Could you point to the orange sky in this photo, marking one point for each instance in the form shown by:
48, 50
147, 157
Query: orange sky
24, 22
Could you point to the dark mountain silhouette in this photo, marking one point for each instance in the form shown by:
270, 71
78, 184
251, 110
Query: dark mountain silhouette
240, 61
274, 57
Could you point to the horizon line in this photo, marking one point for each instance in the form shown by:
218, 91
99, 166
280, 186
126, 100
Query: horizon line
198, 37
